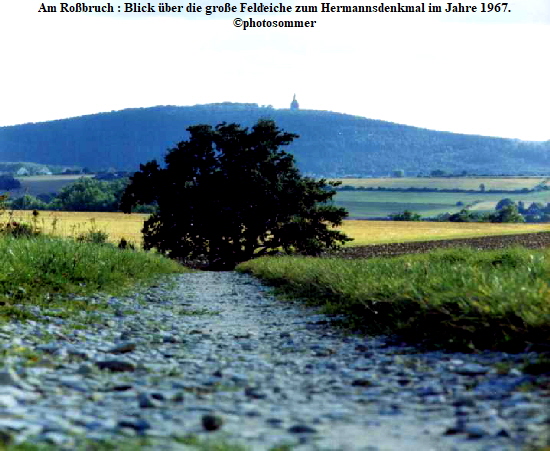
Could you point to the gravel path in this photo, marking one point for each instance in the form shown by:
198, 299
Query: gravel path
217, 356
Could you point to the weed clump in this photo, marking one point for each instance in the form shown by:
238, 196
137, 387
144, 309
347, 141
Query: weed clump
18, 229
15, 228
93, 236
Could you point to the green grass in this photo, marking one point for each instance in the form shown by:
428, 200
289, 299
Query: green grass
458, 298
48, 271
126, 444
139, 443
210, 445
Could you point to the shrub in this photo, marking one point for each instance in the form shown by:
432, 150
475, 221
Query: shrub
407, 215
18, 229
93, 236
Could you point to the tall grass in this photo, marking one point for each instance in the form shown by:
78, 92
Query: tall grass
458, 298
44, 270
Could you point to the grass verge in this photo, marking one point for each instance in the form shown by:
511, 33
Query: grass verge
192, 442
461, 299
46, 271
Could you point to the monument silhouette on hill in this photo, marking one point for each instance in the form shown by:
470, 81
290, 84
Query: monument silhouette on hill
294, 105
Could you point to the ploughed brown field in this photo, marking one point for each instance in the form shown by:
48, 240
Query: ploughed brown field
530, 240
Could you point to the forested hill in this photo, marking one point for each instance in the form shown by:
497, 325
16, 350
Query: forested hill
330, 144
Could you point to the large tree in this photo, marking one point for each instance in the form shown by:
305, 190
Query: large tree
229, 194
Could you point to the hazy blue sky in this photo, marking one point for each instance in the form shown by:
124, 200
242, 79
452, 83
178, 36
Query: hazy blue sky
482, 73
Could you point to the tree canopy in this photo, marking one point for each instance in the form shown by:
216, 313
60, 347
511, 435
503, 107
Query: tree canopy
504, 203
407, 215
508, 213
228, 194
87, 194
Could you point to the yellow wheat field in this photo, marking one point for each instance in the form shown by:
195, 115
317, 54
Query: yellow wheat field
74, 223
120, 225
376, 232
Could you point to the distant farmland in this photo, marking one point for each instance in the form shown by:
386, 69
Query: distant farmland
380, 204
53, 183
462, 183
44, 184
381, 232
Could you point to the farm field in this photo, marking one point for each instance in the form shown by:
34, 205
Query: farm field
74, 223
53, 183
382, 232
120, 225
464, 183
376, 204
40, 184
487, 205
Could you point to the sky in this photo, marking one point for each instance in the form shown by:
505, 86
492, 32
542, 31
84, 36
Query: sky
476, 73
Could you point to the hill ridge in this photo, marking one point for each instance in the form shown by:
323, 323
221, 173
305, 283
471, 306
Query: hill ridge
330, 143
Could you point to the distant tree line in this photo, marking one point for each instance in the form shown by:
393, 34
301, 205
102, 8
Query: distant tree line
481, 189
407, 215
535, 212
506, 210
85, 194
506, 214
464, 173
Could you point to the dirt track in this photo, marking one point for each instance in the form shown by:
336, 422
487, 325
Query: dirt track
529, 240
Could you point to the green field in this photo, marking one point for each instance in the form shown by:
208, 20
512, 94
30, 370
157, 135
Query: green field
489, 204
372, 204
363, 210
